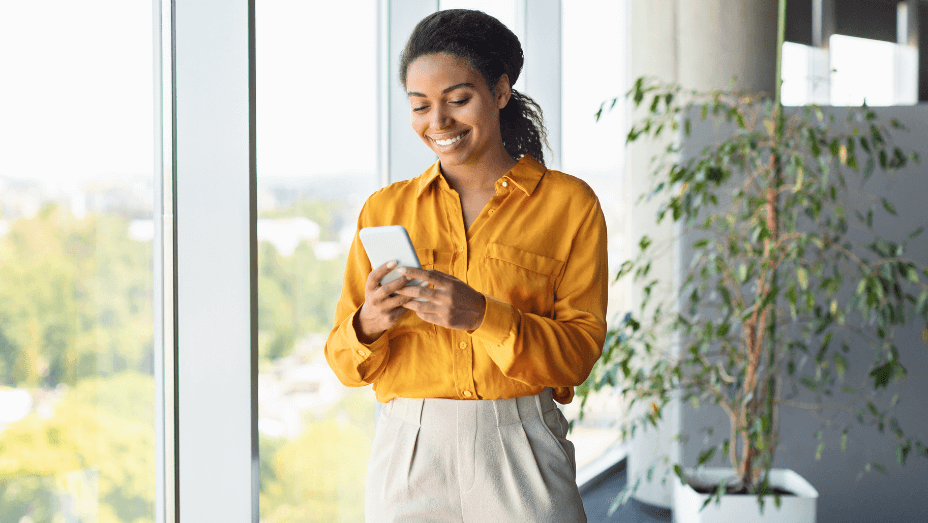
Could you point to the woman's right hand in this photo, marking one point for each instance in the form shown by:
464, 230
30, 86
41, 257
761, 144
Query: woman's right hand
382, 307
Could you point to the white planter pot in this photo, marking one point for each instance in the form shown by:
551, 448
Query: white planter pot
743, 508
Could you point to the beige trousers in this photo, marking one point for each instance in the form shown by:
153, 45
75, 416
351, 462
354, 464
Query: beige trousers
481, 461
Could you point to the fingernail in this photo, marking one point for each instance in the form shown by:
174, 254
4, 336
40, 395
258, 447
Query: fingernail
424, 284
391, 264
401, 270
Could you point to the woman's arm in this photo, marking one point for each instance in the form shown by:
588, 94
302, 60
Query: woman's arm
558, 351
357, 349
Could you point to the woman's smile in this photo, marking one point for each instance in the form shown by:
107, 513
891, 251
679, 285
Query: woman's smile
449, 141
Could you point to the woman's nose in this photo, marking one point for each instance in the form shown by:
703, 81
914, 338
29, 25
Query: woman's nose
440, 118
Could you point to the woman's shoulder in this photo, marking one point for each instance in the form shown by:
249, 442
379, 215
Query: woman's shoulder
404, 188
569, 188
395, 192
390, 202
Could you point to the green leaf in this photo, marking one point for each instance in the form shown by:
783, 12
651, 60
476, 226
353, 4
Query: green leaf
843, 440
819, 450
705, 456
886, 373
803, 276
889, 206
897, 430
840, 365
902, 452
869, 167
861, 287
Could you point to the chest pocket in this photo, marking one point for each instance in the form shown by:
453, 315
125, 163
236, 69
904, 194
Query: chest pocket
521, 278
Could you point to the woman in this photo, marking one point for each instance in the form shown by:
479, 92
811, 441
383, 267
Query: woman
515, 274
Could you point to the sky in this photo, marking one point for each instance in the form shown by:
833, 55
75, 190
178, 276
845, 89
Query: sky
76, 96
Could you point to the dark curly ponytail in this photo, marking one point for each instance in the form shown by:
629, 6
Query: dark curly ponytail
492, 50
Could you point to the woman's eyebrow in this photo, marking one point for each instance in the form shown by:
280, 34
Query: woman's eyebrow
446, 91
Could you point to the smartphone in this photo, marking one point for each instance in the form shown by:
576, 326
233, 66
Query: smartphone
390, 242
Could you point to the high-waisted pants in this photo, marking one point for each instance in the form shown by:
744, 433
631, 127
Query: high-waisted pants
472, 461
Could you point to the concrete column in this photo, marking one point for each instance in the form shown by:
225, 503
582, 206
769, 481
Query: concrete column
721, 39
701, 44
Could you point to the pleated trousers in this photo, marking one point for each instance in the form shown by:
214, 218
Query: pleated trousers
472, 461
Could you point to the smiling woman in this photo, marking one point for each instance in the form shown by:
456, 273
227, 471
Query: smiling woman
514, 315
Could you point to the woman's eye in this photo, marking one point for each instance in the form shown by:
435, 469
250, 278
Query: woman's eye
420, 108
460, 102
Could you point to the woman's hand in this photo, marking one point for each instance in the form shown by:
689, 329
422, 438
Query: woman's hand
449, 303
383, 306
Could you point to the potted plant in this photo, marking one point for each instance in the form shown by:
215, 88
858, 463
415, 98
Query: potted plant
776, 276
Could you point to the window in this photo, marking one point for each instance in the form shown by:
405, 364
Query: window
850, 72
77, 387
871, 71
317, 163
593, 71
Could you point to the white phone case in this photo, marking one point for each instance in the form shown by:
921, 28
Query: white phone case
390, 242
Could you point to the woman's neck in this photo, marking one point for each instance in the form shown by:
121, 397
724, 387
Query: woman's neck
478, 177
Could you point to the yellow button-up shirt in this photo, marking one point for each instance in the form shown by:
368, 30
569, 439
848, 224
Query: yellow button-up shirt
537, 252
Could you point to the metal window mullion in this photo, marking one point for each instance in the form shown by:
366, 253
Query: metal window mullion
215, 219
163, 265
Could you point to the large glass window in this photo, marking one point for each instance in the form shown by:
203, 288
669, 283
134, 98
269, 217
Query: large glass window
317, 163
863, 70
850, 72
77, 431
593, 71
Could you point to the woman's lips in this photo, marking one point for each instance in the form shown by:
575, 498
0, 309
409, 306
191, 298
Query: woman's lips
450, 141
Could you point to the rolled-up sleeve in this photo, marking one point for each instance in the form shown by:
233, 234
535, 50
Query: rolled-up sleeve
356, 364
559, 351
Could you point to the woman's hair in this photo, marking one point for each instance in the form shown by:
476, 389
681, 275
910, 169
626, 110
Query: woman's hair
491, 49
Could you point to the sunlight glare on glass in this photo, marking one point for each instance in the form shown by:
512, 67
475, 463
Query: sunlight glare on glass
795, 72
863, 69
58, 125
591, 147
316, 96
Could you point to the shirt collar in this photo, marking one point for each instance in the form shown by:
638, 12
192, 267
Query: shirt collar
525, 175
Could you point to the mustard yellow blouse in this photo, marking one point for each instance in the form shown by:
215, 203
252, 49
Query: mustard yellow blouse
537, 252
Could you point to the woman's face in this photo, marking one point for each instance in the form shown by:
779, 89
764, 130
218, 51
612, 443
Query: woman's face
453, 111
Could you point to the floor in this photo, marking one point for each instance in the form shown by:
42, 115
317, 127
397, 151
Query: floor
598, 498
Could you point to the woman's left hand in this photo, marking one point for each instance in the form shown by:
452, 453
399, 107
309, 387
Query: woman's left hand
450, 302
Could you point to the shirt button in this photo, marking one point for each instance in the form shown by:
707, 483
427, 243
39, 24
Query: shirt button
361, 352
463, 345
460, 248
505, 184
467, 394
491, 211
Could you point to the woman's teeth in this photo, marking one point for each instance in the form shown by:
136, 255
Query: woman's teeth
449, 141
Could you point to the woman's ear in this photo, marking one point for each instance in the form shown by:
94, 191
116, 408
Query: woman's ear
503, 91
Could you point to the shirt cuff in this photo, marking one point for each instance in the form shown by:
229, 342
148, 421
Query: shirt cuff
363, 350
499, 321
